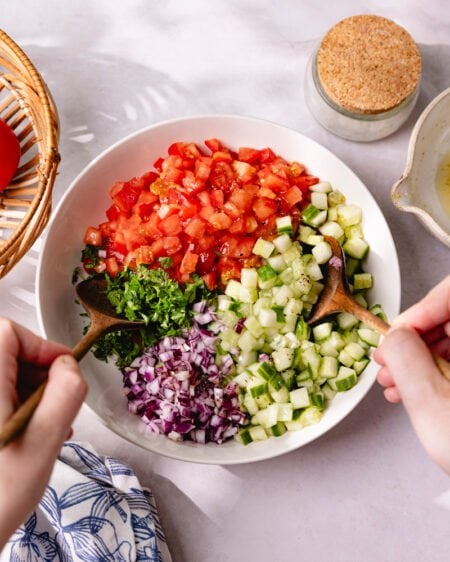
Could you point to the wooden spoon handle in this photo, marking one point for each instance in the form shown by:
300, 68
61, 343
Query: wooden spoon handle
382, 327
20, 418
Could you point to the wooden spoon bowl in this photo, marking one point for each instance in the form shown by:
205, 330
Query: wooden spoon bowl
336, 297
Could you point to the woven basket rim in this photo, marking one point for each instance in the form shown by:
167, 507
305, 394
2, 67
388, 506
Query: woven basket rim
48, 137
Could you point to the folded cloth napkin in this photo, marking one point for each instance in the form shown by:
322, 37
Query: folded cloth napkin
94, 509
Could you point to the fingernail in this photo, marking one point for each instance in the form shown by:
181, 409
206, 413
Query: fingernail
69, 361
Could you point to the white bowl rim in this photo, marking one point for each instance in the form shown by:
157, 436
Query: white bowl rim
195, 117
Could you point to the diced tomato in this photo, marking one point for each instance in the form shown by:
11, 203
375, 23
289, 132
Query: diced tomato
205, 262
217, 198
188, 263
144, 255
213, 144
157, 164
205, 198
242, 199
205, 212
264, 208
195, 228
126, 197
176, 148
210, 280
172, 244
249, 155
293, 196
244, 172
113, 212
112, 266
220, 221
93, 236
170, 226
267, 155
203, 168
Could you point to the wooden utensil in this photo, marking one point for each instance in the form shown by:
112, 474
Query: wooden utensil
92, 296
336, 297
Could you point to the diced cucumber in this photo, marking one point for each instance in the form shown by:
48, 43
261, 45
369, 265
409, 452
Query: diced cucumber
349, 215
310, 416
233, 289
328, 392
315, 239
378, 311
368, 336
319, 200
289, 378
305, 233
285, 412
322, 252
282, 358
244, 436
269, 416
263, 248
247, 342
345, 358
359, 366
276, 430
299, 398
356, 248
277, 263
253, 326
322, 331
223, 302
284, 225
345, 380
355, 351
266, 273
281, 395
318, 400
346, 321
282, 243
360, 299
335, 198
268, 318
331, 228
257, 433
362, 281
351, 266
292, 253
322, 187
249, 404
328, 367
249, 277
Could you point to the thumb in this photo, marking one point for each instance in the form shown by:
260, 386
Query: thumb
62, 398
413, 369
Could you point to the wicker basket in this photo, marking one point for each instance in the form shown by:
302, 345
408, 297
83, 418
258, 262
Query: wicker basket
26, 105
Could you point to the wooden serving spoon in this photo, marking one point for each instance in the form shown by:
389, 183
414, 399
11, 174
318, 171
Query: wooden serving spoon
336, 297
91, 294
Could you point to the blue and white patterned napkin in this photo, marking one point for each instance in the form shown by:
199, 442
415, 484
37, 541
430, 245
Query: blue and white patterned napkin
94, 509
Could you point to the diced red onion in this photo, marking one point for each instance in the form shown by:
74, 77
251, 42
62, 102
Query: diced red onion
177, 388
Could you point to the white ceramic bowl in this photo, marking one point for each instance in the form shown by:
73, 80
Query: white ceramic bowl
415, 192
84, 204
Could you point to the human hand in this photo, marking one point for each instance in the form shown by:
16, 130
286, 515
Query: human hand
26, 463
409, 373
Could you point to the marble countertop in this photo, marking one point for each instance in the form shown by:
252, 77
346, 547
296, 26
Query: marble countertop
366, 490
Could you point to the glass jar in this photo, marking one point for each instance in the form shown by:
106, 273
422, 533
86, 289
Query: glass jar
363, 80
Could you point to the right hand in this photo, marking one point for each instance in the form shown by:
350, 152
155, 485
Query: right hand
409, 373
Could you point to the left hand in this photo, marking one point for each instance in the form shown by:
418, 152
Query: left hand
26, 463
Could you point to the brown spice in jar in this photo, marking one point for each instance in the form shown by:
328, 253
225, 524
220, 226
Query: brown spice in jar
368, 64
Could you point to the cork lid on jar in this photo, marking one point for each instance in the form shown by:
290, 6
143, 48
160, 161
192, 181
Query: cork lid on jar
368, 64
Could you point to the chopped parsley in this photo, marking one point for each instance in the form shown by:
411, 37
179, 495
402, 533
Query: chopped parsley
152, 296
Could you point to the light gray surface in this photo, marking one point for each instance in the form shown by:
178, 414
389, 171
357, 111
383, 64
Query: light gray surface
366, 490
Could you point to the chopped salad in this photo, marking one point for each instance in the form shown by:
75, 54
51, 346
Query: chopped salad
222, 255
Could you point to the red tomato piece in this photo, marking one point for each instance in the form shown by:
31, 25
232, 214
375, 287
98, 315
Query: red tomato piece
9, 154
249, 155
293, 196
126, 197
214, 145
205, 262
264, 208
93, 236
203, 168
112, 266
195, 228
242, 199
217, 198
188, 263
244, 172
170, 226
113, 212
172, 244
143, 255
220, 221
